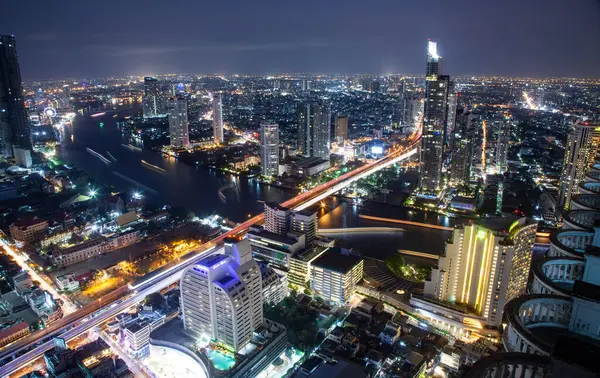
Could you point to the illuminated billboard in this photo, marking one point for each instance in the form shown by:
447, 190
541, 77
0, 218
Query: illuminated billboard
377, 150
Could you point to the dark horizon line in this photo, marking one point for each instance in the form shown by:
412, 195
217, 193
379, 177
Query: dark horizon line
587, 78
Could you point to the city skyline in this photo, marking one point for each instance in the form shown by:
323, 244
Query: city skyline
275, 39
272, 225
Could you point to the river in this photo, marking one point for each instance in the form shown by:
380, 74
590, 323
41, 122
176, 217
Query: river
197, 188
180, 185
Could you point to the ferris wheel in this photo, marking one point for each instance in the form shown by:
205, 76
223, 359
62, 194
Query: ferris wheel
50, 112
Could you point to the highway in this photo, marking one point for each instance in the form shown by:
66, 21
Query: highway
118, 301
113, 309
67, 306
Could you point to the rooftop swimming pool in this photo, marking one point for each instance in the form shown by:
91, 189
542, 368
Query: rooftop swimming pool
220, 360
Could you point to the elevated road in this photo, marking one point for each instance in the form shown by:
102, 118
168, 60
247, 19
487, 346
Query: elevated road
112, 304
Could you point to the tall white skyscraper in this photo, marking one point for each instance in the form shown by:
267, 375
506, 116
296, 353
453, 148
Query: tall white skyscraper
269, 149
217, 108
221, 296
178, 122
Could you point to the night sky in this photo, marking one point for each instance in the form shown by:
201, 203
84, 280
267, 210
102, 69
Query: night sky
76, 39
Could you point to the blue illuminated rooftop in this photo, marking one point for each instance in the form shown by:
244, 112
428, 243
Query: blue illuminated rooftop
226, 281
212, 261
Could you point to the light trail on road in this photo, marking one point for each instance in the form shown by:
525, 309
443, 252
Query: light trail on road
67, 307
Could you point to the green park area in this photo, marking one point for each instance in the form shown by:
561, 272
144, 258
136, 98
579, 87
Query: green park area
399, 267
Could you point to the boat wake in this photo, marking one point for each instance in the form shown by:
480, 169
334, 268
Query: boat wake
99, 156
131, 147
152, 166
111, 156
132, 181
222, 189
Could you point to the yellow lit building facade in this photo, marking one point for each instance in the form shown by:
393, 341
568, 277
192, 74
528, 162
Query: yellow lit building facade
485, 265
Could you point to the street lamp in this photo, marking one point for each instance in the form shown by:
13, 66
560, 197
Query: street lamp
93, 193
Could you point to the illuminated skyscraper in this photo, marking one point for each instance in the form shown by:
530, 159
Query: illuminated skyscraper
503, 137
14, 126
450, 118
402, 118
341, 129
221, 296
269, 149
485, 265
314, 134
217, 108
581, 150
462, 151
178, 122
434, 62
434, 123
154, 103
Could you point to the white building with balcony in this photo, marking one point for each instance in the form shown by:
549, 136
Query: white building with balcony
221, 296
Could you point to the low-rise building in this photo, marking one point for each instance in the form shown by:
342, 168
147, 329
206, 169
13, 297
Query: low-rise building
137, 333
92, 360
28, 229
274, 285
62, 257
273, 248
305, 222
13, 333
306, 167
300, 265
268, 343
243, 162
56, 238
389, 334
334, 275
22, 282
67, 282
41, 302
122, 240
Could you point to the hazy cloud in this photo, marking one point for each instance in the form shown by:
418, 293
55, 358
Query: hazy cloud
113, 50
43, 37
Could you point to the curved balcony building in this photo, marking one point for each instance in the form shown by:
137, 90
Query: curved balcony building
590, 187
563, 300
580, 219
561, 309
585, 202
556, 275
569, 358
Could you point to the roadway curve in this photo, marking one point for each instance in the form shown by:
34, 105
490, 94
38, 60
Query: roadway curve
70, 325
